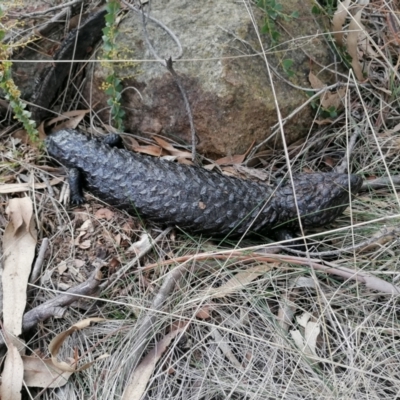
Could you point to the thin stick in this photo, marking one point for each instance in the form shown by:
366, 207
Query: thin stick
38, 13
147, 325
39, 261
55, 306
371, 282
177, 80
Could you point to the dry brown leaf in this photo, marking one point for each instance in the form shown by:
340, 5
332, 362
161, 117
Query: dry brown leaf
19, 242
141, 375
237, 159
42, 373
151, 150
335, 99
75, 115
12, 376
57, 342
104, 213
355, 28
315, 82
21, 134
325, 121
338, 20
171, 149
204, 312
24, 187
130, 142
185, 161
42, 133
239, 281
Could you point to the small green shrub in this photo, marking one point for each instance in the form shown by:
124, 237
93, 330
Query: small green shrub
112, 85
273, 11
11, 91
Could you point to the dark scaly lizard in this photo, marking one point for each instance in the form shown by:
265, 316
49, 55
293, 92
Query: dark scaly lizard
193, 198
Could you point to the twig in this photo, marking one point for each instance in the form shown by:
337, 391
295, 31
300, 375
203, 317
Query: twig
52, 306
168, 63
39, 261
55, 307
162, 26
343, 166
38, 13
393, 233
177, 80
382, 182
148, 322
371, 282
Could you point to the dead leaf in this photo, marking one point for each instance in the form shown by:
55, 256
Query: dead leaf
307, 342
335, 99
180, 154
239, 281
19, 242
12, 376
42, 373
117, 239
25, 187
204, 312
355, 28
141, 375
130, 142
21, 134
104, 213
79, 263
57, 342
42, 133
339, 19
237, 159
87, 226
62, 267
151, 150
325, 121
85, 244
315, 82
143, 243
72, 119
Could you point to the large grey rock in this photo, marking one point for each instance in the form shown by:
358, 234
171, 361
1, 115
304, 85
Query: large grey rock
226, 83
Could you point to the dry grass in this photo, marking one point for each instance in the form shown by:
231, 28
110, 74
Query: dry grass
240, 345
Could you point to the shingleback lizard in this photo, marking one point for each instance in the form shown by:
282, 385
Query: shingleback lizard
193, 198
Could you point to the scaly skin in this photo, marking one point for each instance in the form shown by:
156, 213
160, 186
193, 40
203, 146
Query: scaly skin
195, 199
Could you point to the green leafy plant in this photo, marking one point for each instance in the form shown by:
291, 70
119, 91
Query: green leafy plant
112, 85
11, 91
287, 65
273, 11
